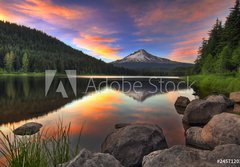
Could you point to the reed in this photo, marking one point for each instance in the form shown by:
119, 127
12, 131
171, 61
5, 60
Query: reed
43, 149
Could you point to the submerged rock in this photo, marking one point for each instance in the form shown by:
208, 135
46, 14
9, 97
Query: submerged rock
28, 129
180, 155
88, 159
182, 102
221, 129
130, 143
201, 111
235, 96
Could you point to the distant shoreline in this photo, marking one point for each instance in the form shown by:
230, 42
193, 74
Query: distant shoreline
95, 76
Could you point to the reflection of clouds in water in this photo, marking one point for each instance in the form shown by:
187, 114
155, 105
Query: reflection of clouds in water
102, 110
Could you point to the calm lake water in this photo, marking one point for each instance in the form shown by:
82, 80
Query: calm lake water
22, 100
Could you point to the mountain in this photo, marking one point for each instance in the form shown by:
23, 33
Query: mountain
143, 57
22, 48
142, 60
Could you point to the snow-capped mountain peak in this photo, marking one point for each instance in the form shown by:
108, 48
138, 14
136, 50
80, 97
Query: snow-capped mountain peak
142, 60
142, 56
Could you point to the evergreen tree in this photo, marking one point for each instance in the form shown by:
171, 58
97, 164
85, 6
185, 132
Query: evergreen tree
222, 47
221, 63
25, 62
207, 65
236, 58
8, 61
232, 26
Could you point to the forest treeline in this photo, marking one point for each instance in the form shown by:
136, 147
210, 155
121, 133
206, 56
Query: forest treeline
28, 50
221, 52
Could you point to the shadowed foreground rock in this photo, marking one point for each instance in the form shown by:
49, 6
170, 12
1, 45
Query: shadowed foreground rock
28, 129
182, 101
130, 143
221, 129
181, 104
88, 159
201, 111
180, 155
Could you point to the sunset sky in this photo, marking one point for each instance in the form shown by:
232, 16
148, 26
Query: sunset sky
112, 29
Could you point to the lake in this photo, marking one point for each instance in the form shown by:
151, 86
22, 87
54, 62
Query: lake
98, 104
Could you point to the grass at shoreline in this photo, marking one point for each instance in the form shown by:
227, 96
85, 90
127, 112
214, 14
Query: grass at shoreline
19, 74
40, 150
216, 83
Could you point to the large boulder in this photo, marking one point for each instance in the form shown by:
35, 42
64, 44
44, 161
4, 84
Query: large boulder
28, 129
182, 102
221, 129
180, 155
130, 143
220, 99
235, 96
88, 159
201, 111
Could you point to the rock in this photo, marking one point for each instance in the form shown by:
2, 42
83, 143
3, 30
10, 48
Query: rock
236, 108
180, 155
182, 102
180, 110
220, 99
221, 129
121, 125
88, 159
28, 129
194, 139
201, 111
235, 96
130, 143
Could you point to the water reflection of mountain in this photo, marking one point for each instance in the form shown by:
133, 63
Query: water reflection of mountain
23, 98
148, 89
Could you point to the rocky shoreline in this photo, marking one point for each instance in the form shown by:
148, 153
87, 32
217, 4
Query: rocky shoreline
212, 134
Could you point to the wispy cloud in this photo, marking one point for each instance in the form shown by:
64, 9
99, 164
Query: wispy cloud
97, 45
187, 46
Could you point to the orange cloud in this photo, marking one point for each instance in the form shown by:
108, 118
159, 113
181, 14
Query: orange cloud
187, 54
3, 15
6, 14
48, 10
100, 46
187, 49
26, 11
